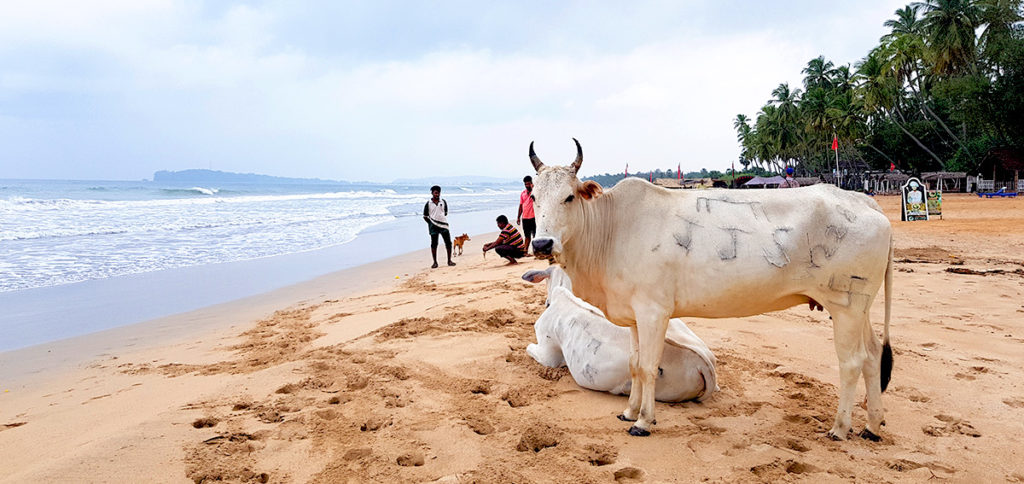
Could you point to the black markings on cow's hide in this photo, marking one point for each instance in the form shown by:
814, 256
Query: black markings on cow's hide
685, 239
655, 248
836, 231
594, 345
822, 251
661, 371
729, 252
852, 287
589, 372
846, 213
777, 255
755, 207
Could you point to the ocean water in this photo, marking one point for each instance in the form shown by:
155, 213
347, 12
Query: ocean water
62, 232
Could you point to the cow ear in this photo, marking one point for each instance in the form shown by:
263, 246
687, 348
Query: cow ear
535, 276
590, 189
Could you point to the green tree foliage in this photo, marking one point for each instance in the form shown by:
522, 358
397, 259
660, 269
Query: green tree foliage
940, 90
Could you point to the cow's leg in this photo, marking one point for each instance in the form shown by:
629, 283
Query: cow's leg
635, 387
873, 384
847, 329
651, 330
652, 345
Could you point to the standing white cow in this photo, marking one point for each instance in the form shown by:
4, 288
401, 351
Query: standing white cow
576, 335
643, 254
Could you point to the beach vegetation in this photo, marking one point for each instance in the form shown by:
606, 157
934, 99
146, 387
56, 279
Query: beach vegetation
940, 90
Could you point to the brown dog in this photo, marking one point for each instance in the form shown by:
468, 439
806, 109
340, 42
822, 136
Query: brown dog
458, 243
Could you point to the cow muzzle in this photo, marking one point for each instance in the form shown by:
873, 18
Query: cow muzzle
543, 246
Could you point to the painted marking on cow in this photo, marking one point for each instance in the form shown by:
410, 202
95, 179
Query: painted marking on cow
777, 255
846, 213
685, 240
836, 231
850, 289
729, 253
756, 208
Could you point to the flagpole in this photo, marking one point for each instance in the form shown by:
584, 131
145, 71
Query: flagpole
835, 147
838, 182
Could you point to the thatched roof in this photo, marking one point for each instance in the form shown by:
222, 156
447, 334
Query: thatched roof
761, 181
667, 182
807, 180
947, 175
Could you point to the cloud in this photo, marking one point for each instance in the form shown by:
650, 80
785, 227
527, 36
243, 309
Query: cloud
121, 89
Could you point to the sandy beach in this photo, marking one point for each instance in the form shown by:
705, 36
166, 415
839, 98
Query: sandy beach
396, 373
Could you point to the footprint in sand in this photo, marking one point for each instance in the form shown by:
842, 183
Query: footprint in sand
538, 437
205, 422
479, 424
629, 474
599, 454
951, 425
1016, 402
410, 459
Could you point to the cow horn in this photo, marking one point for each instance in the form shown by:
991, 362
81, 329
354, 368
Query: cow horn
579, 157
537, 164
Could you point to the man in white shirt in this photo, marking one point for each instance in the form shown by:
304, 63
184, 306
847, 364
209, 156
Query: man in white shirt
435, 212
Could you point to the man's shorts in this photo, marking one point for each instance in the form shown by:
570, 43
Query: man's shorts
529, 228
445, 235
435, 230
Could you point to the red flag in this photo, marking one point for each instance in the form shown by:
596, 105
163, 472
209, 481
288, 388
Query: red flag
626, 175
651, 177
679, 171
892, 166
835, 142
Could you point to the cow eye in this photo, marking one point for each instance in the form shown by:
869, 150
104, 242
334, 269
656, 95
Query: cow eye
569, 198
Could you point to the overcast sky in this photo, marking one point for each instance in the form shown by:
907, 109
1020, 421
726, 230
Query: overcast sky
380, 89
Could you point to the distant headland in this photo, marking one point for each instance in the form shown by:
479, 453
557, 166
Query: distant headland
200, 176
214, 176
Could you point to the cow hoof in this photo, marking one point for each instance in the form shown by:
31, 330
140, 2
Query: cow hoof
832, 434
623, 417
638, 432
869, 435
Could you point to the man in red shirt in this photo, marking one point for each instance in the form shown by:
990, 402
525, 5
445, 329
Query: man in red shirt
526, 218
509, 244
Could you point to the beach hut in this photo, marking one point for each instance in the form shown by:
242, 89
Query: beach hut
759, 181
945, 181
883, 182
806, 181
673, 183
1004, 165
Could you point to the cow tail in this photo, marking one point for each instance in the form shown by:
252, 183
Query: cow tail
886, 370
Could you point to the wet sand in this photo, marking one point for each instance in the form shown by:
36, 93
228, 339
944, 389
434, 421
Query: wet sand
425, 378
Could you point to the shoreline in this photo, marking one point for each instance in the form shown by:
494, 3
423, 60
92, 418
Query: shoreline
49, 314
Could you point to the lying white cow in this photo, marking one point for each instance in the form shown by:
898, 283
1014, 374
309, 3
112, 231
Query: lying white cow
644, 254
575, 334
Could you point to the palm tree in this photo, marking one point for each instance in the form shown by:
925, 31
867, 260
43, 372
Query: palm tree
817, 73
999, 18
786, 120
906, 22
743, 134
949, 27
879, 92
